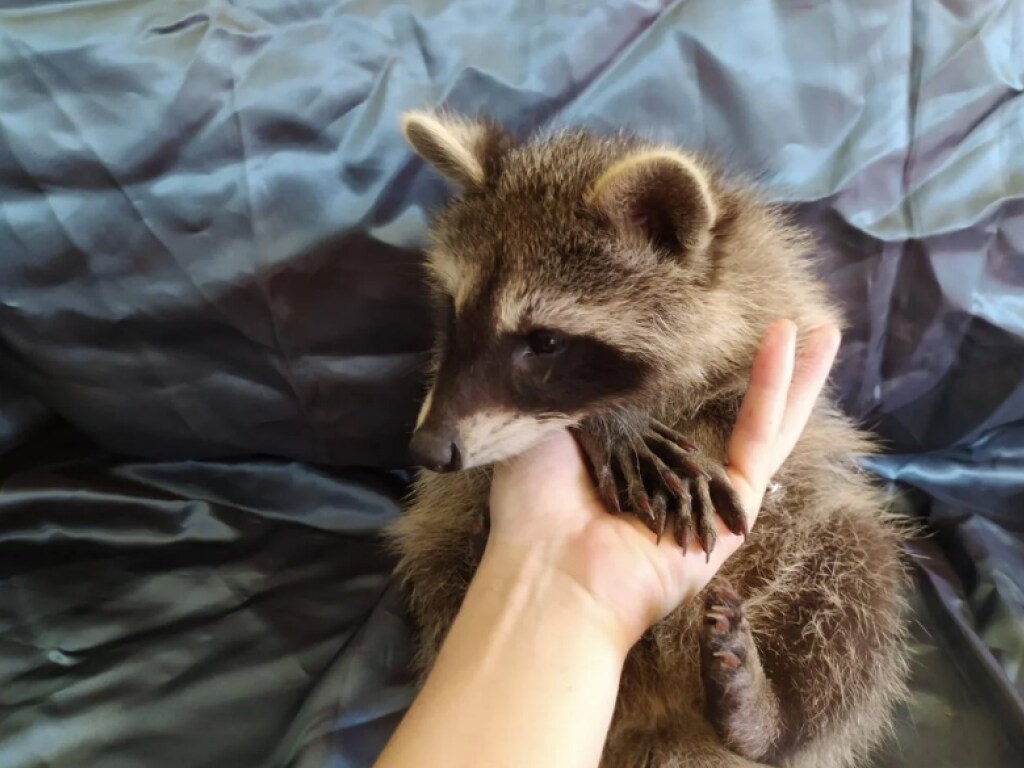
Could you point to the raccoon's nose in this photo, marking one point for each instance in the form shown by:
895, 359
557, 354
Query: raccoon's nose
437, 451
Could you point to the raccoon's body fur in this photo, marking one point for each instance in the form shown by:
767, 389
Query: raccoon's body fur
671, 273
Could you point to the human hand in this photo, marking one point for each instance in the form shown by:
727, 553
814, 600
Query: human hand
543, 504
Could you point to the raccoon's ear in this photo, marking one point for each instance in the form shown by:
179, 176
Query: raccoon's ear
661, 195
467, 153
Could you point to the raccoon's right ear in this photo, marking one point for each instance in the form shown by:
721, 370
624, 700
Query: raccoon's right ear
467, 153
661, 195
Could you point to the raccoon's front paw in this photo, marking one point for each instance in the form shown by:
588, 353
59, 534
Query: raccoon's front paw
658, 475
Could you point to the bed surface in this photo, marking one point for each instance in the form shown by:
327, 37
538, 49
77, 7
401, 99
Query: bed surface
212, 322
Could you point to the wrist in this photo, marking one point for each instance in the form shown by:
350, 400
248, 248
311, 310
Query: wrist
528, 653
531, 586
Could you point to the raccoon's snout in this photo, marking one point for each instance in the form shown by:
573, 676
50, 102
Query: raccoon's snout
436, 450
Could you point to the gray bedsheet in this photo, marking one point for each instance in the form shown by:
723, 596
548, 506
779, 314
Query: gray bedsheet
211, 323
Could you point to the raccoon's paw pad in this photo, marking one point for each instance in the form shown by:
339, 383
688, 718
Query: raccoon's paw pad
728, 659
725, 638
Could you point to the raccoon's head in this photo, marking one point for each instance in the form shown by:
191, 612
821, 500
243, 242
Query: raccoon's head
574, 275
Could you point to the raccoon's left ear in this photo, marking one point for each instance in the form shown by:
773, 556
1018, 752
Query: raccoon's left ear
467, 153
661, 195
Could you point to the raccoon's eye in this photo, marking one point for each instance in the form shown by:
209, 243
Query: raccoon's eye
545, 343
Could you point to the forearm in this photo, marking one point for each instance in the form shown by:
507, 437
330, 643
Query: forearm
528, 676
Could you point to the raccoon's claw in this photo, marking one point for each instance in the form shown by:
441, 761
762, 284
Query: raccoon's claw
711, 489
598, 454
662, 478
673, 436
629, 464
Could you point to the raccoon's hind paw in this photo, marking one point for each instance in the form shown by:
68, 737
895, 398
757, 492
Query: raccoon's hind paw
739, 700
658, 475
725, 645
722, 642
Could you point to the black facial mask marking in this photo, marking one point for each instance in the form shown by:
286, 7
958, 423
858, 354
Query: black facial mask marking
533, 371
584, 371
507, 373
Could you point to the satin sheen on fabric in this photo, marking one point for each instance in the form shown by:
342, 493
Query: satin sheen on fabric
210, 237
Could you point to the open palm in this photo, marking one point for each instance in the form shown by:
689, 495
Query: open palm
544, 502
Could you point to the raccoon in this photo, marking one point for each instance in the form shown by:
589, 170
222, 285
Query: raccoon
619, 288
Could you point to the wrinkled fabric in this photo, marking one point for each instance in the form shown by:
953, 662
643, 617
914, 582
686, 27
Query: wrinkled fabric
20, 413
162, 613
210, 235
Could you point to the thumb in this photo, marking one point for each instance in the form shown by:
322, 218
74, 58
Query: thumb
548, 478
554, 462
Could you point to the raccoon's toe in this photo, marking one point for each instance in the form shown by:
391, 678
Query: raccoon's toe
723, 609
702, 489
725, 639
724, 501
672, 436
635, 495
659, 476
597, 454
711, 493
659, 509
682, 517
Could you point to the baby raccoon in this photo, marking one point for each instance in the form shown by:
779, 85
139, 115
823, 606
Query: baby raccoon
619, 288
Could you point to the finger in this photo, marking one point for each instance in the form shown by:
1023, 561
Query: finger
751, 446
555, 453
809, 378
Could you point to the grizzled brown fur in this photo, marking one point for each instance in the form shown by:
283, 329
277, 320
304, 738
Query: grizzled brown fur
659, 275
